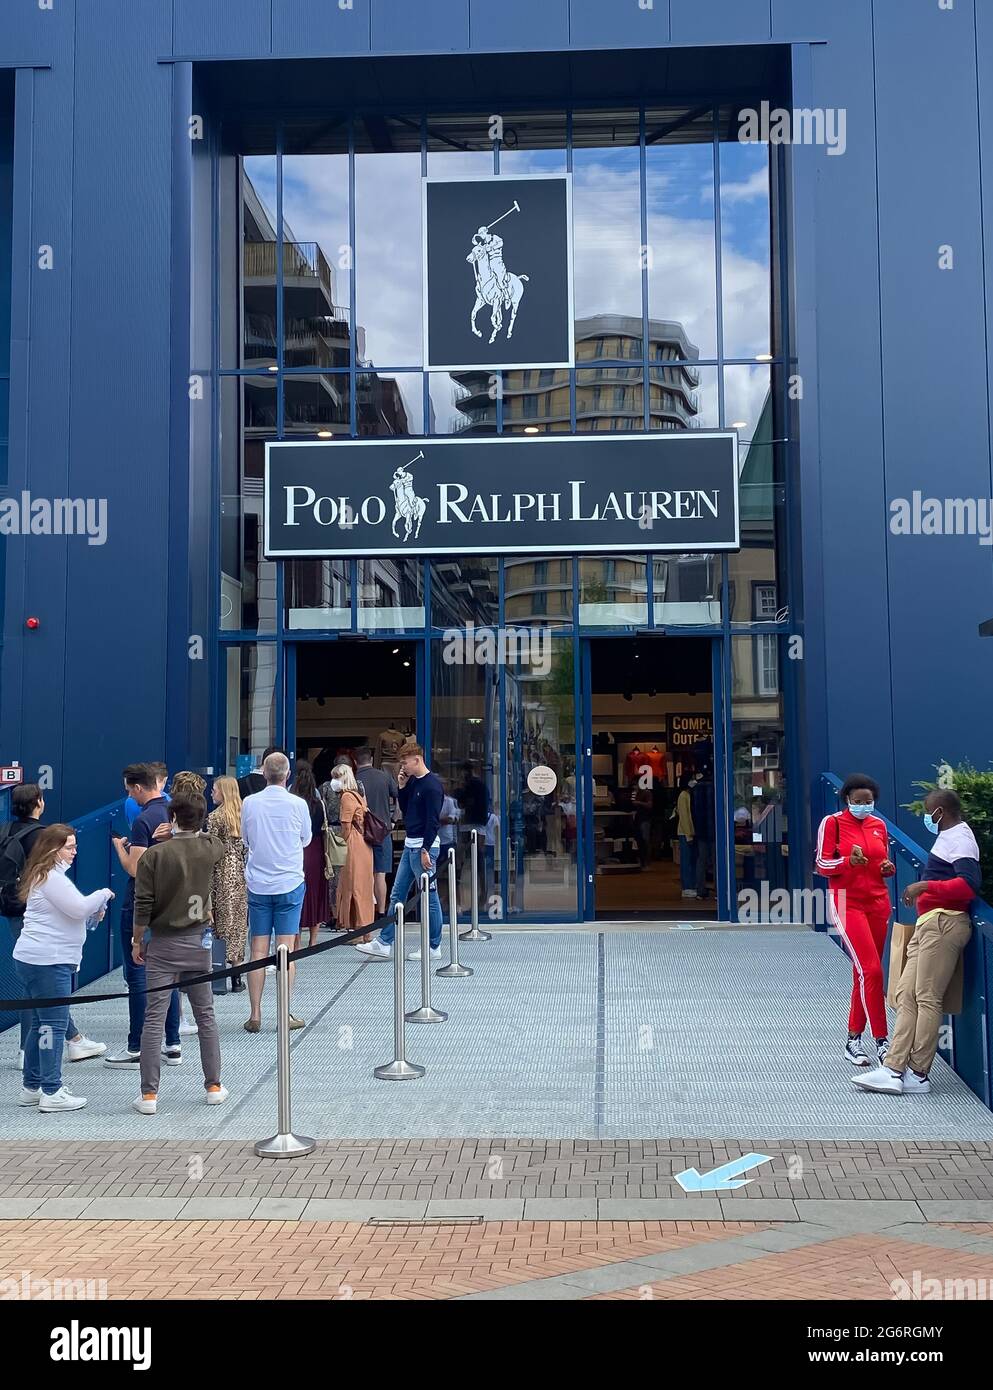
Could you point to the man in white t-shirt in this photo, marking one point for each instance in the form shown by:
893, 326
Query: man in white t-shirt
275, 826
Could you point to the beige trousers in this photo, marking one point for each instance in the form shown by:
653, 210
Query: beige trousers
937, 943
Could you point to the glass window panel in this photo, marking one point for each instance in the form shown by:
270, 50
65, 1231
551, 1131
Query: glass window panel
613, 591
459, 146
682, 256
607, 224
258, 262
537, 590
316, 259
388, 268
464, 403
391, 594
316, 407
684, 397
748, 404
533, 143
250, 704
318, 594
686, 589
536, 400
757, 737
465, 752
745, 249
389, 403
610, 398
465, 590
248, 582
761, 503
541, 731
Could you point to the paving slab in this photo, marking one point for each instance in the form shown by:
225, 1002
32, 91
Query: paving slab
132, 1208
662, 1209
858, 1215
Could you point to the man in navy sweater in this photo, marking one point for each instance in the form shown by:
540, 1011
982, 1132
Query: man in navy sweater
421, 797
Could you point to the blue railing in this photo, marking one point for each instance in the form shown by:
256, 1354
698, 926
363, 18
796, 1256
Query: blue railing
969, 1031
96, 866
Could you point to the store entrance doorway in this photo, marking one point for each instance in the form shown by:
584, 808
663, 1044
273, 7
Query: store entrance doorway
352, 695
651, 825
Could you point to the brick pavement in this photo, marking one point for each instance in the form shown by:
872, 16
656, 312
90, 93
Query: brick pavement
329, 1260
483, 1169
340, 1261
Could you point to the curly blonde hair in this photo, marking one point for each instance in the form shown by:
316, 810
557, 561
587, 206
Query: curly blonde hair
188, 784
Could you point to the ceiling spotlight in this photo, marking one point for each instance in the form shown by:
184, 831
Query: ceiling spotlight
406, 663
325, 434
739, 425
763, 357
395, 650
531, 429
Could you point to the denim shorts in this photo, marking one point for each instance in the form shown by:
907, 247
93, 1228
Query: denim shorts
382, 857
276, 914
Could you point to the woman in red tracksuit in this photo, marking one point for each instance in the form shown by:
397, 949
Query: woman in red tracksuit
853, 854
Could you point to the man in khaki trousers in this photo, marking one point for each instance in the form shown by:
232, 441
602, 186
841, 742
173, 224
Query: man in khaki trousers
951, 882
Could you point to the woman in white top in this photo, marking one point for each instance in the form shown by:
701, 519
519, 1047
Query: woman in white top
46, 956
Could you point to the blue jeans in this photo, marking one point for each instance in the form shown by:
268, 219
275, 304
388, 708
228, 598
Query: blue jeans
409, 873
15, 924
134, 978
46, 1027
276, 913
687, 863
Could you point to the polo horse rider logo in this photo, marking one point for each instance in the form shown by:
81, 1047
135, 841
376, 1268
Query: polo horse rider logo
495, 285
406, 505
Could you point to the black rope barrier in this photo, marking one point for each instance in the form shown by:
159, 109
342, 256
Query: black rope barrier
18, 1005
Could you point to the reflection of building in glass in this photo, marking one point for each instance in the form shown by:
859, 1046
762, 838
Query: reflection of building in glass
538, 590
609, 396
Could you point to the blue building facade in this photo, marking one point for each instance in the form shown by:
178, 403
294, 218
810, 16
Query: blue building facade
210, 214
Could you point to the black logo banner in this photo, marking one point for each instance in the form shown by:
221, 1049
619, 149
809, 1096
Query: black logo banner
498, 272
502, 495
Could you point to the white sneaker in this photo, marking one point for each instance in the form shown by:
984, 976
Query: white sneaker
78, 1049
689, 893
62, 1100
123, 1060
375, 949
172, 1056
434, 952
880, 1079
19, 1060
217, 1097
29, 1097
145, 1105
270, 970
914, 1085
185, 1029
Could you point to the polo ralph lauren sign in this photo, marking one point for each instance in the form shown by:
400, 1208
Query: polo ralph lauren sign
497, 272
502, 495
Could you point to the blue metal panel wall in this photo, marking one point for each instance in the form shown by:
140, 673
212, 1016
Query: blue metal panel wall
399, 27
936, 416
720, 21
606, 24
322, 26
519, 24
218, 28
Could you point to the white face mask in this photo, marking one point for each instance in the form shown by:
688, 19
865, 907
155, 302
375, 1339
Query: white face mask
337, 785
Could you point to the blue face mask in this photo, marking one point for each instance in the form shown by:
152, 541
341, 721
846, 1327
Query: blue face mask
861, 809
931, 825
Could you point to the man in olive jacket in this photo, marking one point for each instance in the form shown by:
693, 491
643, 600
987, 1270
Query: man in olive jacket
172, 903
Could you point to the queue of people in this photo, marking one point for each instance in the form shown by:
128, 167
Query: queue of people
273, 861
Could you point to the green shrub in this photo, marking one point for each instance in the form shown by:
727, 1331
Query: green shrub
975, 790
